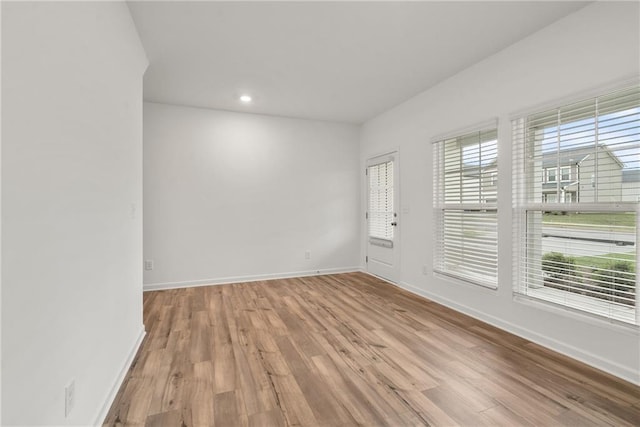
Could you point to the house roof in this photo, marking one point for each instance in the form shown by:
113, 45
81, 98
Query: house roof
573, 156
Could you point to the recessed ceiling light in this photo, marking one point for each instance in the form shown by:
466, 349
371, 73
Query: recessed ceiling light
245, 98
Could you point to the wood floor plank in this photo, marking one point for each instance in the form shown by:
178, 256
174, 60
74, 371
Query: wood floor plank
201, 392
226, 410
353, 400
326, 409
201, 333
169, 391
347, 350
500, 416
169, 418
461, 409
271, 418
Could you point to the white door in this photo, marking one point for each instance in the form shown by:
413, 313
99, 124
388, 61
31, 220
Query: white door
383, 255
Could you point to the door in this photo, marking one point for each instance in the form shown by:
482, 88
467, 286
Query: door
383, 254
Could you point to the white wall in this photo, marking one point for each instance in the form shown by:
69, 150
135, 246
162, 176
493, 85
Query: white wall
0, 224
593, 47
232, 196
71, 174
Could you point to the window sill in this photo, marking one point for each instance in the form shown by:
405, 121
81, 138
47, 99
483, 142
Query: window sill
459, 279
582, 308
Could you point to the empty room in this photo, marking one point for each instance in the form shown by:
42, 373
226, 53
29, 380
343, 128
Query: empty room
323, 213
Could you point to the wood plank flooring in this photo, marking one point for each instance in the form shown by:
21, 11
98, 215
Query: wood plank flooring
346, 350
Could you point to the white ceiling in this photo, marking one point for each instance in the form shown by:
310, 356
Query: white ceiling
338, 61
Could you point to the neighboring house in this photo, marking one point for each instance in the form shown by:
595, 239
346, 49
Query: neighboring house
579, 174
631, 185
571, 179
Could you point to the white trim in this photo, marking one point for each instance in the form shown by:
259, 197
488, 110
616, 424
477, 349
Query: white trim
243, 279
384, 279
480, 206
485, 125
1, 353
584, 95
380, 160
388, 154
461, 279
99, 419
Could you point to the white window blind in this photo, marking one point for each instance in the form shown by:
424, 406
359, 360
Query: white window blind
380, 213
465, 205
576, 236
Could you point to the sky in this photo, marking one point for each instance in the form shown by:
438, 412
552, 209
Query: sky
619, 131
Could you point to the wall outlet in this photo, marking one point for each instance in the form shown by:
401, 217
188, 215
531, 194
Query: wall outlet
69, 398
148, 264
425, 270
307, 255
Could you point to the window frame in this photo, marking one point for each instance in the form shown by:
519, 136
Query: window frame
548, 172
524, 204
484, 209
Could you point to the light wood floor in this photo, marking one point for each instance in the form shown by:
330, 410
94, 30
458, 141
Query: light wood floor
345, 350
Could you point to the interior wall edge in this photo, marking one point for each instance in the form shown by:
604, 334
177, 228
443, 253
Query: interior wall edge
117, 383
244, 279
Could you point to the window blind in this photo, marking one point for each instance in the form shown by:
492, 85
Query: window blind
465, 205
576, 197
380, 212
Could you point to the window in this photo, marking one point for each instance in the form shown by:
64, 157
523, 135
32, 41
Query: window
551, 174
494, 178
381, 201
465, 204
575, 238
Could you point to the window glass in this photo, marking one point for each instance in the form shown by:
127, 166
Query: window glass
380, 213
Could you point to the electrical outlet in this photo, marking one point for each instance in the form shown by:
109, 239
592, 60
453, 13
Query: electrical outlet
148, 264
307, 255
69, 398
425, 271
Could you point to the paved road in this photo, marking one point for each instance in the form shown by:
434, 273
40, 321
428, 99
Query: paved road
619, 237
578, 242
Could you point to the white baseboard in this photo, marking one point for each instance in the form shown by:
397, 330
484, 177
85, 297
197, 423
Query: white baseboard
118, 381
243, 279
624, 372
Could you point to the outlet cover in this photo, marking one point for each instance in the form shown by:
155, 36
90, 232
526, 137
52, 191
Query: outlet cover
148, 264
